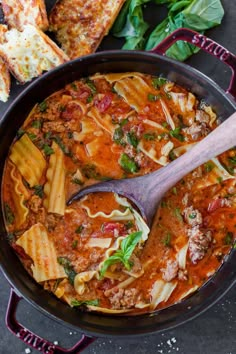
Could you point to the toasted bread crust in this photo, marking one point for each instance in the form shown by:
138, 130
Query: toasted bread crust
29, 52
80, 25
5, 81
18, 13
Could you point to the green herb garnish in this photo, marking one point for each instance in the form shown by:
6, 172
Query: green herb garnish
167, 240
150, 136
65, 262
175, 133
128, 163
43, 106
228, 240
74, 244
178, 214
76, 303
9, 215
79, 229
36, 124
157, 82
152, 97
123, 254
208, 166
38, 190
47, 150
132, 139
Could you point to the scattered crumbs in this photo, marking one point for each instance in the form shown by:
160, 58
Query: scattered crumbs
160, 351
120, 348
177, 349
169, 343
71, 333
173, 340
27, 350
55, 342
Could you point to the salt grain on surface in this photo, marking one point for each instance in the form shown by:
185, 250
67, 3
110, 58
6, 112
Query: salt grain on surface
27, 350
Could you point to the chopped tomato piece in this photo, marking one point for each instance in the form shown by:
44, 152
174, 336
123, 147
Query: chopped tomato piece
105, 103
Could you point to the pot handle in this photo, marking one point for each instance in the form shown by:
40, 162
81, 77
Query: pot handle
205, 43
32, 339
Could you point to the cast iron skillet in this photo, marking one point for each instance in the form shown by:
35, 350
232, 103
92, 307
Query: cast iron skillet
23, 286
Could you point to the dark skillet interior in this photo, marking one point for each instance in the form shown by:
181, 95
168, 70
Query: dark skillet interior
91, 323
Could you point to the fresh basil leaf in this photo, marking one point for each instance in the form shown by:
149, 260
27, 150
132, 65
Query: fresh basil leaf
122, 255
198, 15
76, 303
131, 25
128, 164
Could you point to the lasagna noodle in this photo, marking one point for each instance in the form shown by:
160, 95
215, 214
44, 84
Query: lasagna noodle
19, 195
134, 90
103, 120
113, 77
18, 13
54, 188
38, 246
28, 159
161, 291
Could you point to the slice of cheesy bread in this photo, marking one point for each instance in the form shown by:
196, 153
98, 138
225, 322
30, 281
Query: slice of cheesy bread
5, 81
18, 13
29, 52
80, 25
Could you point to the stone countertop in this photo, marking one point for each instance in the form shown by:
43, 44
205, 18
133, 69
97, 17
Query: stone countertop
213, 332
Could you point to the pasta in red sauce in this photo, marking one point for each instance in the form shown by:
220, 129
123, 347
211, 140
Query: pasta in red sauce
98, 254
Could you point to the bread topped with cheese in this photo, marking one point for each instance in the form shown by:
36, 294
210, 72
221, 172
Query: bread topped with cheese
5, 81
30, 52
18, 13
80, 25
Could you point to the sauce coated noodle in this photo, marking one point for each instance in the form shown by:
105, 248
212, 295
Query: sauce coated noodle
98, 253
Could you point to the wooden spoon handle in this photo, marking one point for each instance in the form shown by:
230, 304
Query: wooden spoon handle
218, 141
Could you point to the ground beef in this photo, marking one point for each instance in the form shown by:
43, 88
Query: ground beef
183, 274
199, 243
136, 264
34, 203
171, 270
192, 216
51, 221
53, 126
202, 117
122, 298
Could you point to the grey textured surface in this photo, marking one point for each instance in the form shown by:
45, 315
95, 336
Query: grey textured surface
212, 332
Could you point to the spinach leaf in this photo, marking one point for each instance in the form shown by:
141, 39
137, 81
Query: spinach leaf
9, 215
69, 270
176, 134
123, 255
38, 190
132, 139
118, 136
76, 303
128, 164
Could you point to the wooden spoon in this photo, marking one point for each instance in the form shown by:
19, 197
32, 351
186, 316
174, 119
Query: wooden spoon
147, 191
